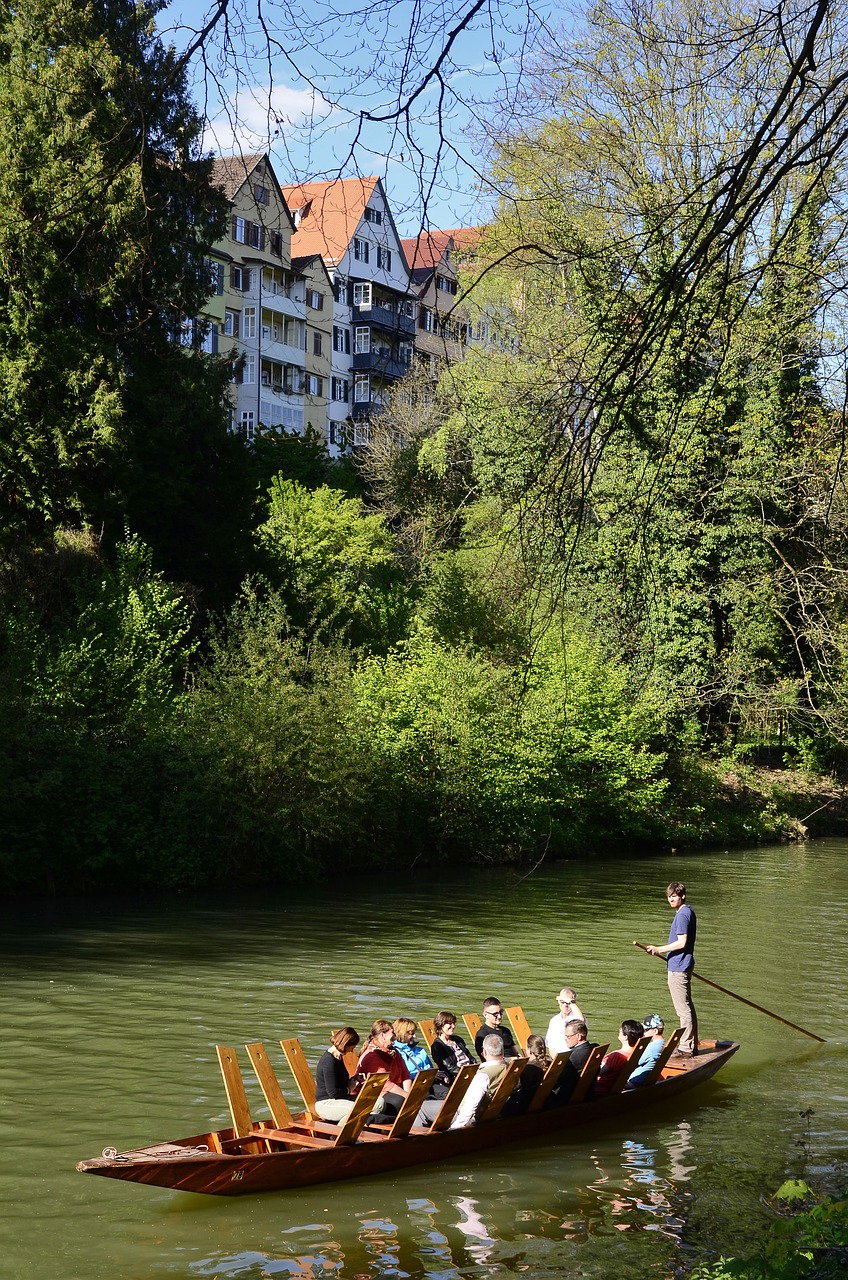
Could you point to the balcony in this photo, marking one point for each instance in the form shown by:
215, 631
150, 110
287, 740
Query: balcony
366, 409
384, 318
380, 362
282, 352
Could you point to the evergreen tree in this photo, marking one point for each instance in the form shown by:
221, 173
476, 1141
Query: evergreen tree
106, 209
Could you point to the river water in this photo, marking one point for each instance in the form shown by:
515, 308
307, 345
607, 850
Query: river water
111, 1012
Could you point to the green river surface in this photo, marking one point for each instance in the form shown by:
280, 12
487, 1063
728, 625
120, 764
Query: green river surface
111, 1011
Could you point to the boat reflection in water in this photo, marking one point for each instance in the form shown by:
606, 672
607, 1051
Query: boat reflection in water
526, 1221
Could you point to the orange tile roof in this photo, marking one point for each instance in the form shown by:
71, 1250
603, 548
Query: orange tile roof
426, 250
332, 212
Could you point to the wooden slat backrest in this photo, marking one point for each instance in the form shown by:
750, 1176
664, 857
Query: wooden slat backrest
505, 1087
589, 1074
234, 1086
668, 1049
520, 1026
351, 1061
428, 1031
473, 1023
299, 1068
352, 1126
405, 1118
269, 1085
548, 1081
455, 1094
629, 1067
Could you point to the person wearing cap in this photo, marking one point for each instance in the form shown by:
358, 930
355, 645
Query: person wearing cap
568, 1009
654, 1027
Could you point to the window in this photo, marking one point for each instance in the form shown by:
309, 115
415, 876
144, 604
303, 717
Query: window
362, 340
315, 300
361, 389
341, 339
340, 389
248, 322
249, 370
316, 385
384, 257
317, 343
426, 320
374, 215
240, 278
209, 340
337, 434
362, 295
239, 227
274, 414
361, 433
405, 352
446, 285
256, 235
276, 244
261, 194
247, 424
340, 290
361, 250
216, 276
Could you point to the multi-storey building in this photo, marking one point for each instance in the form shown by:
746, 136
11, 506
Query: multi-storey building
274, 311
444, 326
349, 224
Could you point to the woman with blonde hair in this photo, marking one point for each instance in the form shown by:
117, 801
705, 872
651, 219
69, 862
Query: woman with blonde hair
413, 1054
332, 1079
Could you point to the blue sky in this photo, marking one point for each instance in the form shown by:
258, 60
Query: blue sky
295, 87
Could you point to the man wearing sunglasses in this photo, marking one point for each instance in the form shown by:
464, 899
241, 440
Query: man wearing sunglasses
493, 1014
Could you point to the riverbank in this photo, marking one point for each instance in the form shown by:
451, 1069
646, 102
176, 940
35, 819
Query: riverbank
756, 803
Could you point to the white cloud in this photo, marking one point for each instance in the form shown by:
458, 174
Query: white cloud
255, 119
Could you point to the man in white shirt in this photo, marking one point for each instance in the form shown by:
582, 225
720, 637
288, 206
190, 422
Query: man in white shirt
568, 1011
486, 1081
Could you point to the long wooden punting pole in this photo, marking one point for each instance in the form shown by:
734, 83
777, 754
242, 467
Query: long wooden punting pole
725, 991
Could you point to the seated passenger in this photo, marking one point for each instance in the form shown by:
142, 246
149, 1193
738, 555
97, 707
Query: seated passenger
332, 1081
654, 1027
568, 1010
576, 1038
493, 1025
530, 1079
414, 1055
488, 1077
379, 1054
450, 1052
628, 1037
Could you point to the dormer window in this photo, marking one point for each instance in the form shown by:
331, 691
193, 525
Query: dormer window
374, 215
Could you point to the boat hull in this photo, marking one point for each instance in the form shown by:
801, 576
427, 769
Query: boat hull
182, 1166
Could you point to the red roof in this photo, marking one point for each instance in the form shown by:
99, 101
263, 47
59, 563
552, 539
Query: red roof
329, 214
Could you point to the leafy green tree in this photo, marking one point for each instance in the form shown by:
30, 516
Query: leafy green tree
335, 565
111, 661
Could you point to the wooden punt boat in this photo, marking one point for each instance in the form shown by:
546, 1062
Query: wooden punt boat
301, 1150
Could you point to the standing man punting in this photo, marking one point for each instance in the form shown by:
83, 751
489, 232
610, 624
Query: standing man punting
680, 958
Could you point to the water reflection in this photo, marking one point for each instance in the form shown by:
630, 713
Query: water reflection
634, 1187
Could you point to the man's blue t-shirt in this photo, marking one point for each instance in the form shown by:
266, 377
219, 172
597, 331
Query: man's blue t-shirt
683, 922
